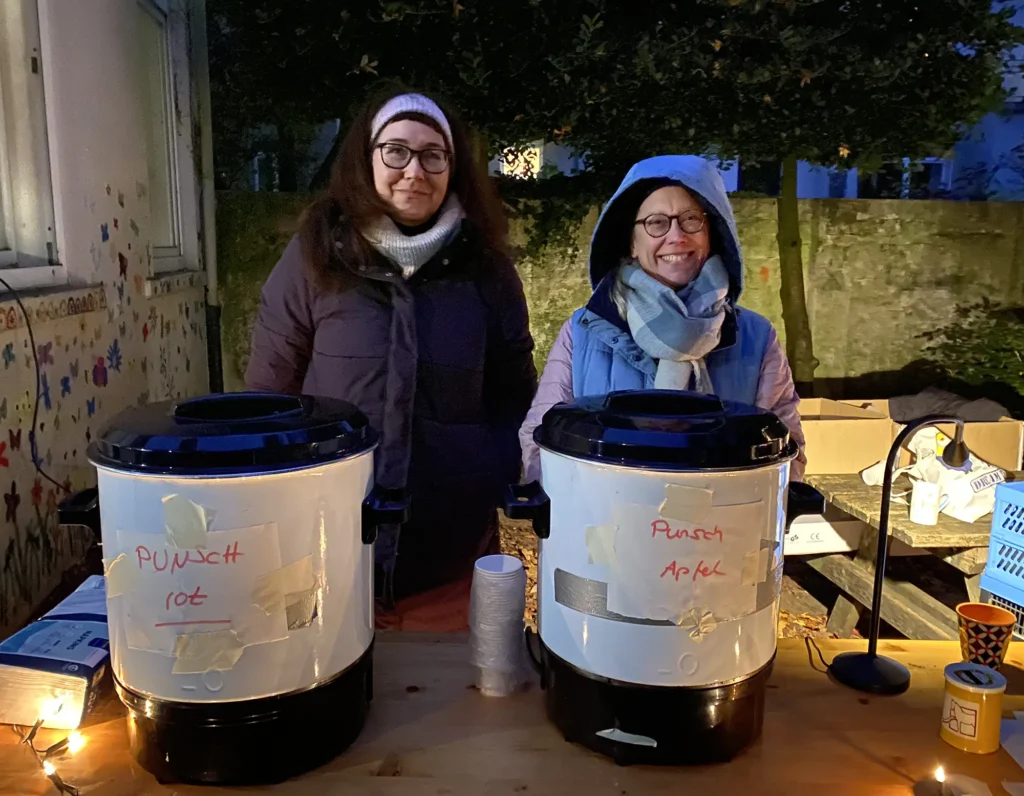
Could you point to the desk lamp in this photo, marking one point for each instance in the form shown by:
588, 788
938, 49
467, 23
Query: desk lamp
869, 671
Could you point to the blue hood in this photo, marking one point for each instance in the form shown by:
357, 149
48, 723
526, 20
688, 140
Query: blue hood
610, 242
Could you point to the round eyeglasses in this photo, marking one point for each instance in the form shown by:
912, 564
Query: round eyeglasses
657, 225
398, 156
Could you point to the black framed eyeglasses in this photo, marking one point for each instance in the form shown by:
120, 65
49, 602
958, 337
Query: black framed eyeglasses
657, 225
398, 156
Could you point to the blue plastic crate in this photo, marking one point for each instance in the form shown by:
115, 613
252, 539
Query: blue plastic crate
1008, 515
1003, 577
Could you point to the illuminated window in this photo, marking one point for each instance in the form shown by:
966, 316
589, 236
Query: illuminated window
524, 162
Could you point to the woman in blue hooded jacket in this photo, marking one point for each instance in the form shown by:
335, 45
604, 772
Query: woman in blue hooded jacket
667, 274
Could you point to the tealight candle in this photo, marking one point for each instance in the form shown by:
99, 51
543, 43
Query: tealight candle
943, 784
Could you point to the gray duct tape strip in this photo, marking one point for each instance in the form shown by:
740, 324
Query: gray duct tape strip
591, 597
768, 591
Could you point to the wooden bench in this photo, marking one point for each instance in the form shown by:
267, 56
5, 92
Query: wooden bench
906, 607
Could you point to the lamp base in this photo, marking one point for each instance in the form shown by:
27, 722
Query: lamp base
874, 674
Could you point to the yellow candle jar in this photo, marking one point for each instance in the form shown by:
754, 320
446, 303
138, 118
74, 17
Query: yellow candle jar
972, 710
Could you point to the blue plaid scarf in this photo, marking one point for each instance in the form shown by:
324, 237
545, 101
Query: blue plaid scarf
678, 328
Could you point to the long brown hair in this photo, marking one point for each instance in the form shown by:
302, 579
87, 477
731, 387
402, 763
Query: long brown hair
352, 202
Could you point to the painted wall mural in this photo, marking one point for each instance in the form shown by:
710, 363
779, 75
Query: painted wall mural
128, 341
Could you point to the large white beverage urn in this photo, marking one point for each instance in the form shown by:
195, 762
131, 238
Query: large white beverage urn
661, 517
237, 534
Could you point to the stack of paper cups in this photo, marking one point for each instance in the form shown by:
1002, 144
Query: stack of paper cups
496, 607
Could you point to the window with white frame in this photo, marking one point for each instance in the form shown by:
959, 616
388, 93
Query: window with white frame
28, 256
167, 114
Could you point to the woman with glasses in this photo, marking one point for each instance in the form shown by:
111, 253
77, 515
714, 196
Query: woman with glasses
398, 295
667, 274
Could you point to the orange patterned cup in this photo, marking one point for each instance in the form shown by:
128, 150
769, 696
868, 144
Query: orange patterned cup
985, 633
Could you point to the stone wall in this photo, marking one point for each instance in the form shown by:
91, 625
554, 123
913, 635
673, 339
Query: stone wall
879, 273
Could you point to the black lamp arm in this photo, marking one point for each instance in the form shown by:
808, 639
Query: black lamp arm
883, 518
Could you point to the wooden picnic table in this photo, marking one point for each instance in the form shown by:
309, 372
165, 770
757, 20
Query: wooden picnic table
905, 606
431, 733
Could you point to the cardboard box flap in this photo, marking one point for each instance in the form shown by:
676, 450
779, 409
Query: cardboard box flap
842, 438
826, 409
999, 442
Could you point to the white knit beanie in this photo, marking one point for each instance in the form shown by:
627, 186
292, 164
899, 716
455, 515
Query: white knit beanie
409, 103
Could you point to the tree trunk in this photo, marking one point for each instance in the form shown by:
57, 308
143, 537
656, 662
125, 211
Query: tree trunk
287, 165
480, 148
799, 347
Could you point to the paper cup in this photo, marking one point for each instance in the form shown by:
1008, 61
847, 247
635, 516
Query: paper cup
496, 683
499, 566
985, 633
924, 503
497, 603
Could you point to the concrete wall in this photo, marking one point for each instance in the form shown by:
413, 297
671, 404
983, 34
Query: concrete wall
879, 273
117, 335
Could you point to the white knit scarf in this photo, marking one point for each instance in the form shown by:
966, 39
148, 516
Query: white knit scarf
410, 252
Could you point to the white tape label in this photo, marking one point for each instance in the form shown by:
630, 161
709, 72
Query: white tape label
665, 569
176, 591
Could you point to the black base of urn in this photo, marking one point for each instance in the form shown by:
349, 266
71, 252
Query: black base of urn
252, 742
654, 725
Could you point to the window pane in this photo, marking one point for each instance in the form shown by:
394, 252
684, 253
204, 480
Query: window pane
156, 107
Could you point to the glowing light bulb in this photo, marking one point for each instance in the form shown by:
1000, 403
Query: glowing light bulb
940, 775
75, 742
48, 768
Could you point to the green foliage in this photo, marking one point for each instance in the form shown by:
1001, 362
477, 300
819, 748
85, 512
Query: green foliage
854, 82
554, 208
252, 231
983, 346
314, 60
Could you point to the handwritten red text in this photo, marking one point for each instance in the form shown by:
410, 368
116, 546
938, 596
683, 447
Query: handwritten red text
164, 561
181, 598
697, 534
702, 570
170, 561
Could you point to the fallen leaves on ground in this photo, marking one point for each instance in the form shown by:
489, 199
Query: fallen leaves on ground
803, 626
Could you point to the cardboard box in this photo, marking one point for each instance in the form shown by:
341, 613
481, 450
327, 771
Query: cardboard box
842, 438
848, 436
834, 531
999, 442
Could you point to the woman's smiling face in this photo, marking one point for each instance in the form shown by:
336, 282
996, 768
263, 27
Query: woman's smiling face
412, 194
675, 258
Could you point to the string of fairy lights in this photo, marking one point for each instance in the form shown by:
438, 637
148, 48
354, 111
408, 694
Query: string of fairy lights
71, 744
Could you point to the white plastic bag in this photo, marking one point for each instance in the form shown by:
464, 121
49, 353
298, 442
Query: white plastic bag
971, 489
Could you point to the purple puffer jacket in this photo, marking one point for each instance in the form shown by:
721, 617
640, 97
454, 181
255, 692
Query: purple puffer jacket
775, 392
442, 366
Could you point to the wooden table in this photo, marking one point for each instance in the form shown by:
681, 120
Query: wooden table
906, 607
431, 733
